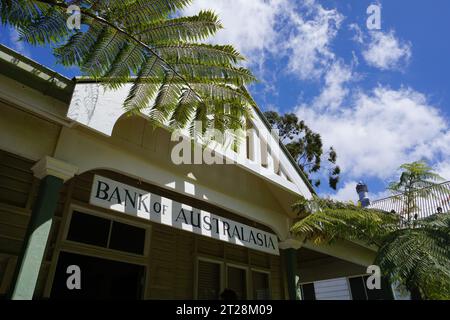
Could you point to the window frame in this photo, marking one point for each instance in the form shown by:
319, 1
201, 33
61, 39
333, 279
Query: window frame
196, 270
64, 245
248, 283
108, 216
252, 269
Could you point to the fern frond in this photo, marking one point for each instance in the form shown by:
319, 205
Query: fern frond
103, 53
193, 28
200, 53
78, 47
167, 98
185, 109
213, 91
128, 62
142, 91
141, 12
205, 72
49, 27
20, 13
121, 39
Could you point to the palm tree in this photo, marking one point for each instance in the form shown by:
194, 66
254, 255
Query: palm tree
416, 255
145, 42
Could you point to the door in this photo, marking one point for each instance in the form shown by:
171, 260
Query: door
100, 278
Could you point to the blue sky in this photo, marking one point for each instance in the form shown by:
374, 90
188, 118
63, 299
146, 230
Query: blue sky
380, 97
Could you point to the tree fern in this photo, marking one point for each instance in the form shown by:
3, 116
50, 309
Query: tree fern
178, 30
142, 92
417, 256
200, 53
139, 41
48, 27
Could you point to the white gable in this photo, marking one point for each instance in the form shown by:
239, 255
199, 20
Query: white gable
99, 109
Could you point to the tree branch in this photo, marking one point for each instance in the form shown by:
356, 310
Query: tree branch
103, 21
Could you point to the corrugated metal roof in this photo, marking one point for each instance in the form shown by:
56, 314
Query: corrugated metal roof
438, 197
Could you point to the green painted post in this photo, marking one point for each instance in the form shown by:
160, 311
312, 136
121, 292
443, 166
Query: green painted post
291, 271
30, 259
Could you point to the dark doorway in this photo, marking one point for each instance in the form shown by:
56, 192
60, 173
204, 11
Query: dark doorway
100, 278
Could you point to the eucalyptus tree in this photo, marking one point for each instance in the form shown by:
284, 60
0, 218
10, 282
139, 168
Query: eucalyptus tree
174, 74
306, 147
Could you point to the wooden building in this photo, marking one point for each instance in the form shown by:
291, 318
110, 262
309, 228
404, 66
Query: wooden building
86, 189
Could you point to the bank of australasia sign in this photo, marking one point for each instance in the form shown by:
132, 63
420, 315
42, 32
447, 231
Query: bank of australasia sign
110, 194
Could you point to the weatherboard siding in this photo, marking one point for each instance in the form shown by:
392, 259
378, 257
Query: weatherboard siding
17, 193
334, 289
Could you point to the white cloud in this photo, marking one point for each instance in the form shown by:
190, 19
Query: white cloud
348, 193
359, 35
248, 25
302, 33
386, 52
312, 30
334, 92
443, 169
380, 131
345, 193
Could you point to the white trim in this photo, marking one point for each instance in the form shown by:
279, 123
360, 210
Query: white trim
247, 278
147, 227
290, 244
209, 260
99, 110
49, 166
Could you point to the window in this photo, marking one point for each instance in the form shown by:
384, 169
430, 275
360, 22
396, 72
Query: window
89, 229
237, 281
358, 287
93, 230
308, 292
209, 275
261, 290
127, 238
214, 276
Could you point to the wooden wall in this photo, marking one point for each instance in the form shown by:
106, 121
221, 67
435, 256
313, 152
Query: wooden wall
17, 193
173, 253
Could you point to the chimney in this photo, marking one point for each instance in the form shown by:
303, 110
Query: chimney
362, 190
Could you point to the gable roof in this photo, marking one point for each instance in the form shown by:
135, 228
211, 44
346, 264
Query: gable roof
41, 78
